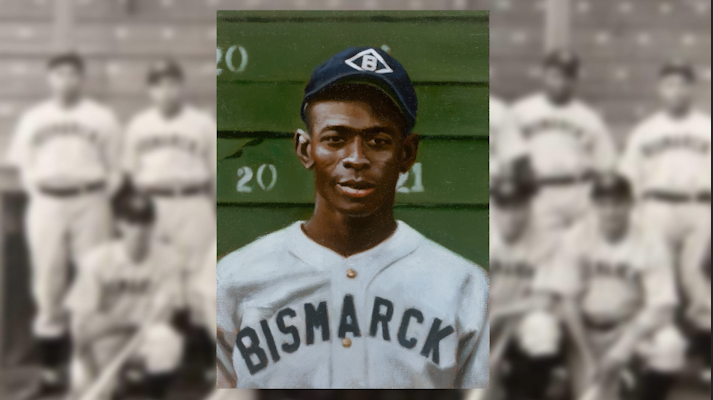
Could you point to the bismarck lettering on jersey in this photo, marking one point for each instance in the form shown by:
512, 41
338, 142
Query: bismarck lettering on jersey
383, 324
64, 129
549, 125
621, 270
159, 141
676, 141
519, 269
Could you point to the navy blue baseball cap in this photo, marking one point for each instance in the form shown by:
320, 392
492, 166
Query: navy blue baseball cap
365, 65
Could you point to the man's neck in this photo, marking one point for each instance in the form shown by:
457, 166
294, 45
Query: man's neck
68, 102
561, 100
348, 235
679, 113
170, 112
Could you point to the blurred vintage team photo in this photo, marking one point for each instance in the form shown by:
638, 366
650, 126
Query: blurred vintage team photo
351, 190
600, 188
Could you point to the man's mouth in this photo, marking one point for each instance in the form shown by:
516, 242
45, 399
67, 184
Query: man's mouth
353, 188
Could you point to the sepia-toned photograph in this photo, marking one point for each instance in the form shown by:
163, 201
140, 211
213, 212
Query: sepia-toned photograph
351, 171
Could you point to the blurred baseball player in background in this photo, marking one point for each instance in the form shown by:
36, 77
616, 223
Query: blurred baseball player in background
353, 298
617, 282
668, 160
507, 147
66, 151
527, 338
566, 140
124, 287
170, 153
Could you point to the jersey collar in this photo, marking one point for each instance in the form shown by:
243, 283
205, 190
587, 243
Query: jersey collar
401, 243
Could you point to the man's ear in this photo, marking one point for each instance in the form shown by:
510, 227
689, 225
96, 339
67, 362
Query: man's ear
409, 151
303, 148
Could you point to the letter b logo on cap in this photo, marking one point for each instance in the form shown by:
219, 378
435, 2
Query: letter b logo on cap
370, 61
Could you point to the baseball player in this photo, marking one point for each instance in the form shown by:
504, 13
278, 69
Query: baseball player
619, 278
353, 298
526, 335
507, 146
65, 151
123, 286
170, 153
566, 139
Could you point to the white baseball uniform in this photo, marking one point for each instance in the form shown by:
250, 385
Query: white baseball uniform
110, 283
518, 270
565, 143
506, 143
614, 282
67, 158
174, 160
668, 160
405, 314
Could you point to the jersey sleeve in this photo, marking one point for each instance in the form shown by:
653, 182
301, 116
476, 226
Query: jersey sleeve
18, 153
603, 149
129, 158
474, 344
630, 163
228, 321
510, 142
564, 278
659, 279
212, 139
112, 151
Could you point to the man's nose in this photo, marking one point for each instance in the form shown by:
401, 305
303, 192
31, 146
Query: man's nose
355, 157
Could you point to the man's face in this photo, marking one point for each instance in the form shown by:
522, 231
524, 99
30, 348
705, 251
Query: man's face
512, 219
676, 93
613, 215
135, 235
557, 84
166, 93
65, 81
357, 156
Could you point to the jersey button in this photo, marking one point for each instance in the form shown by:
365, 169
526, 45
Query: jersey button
347, 343
351, 274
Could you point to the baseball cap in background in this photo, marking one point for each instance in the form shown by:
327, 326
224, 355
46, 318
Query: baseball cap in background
164, 69
565, 60
368, 65
678, 67
511, 190
129, 204
611, 186
66, 58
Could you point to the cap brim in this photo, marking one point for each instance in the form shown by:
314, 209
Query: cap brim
367, 78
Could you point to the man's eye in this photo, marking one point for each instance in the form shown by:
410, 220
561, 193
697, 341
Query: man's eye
333, 139
380, 141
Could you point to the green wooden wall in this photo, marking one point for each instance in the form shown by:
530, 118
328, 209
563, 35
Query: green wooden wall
264, 61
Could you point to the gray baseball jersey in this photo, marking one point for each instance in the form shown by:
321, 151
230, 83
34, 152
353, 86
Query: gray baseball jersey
407, 313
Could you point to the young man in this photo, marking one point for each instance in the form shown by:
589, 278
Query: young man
353, 298
170, 153
527, 340
65, 149
126, 287
617, 281
566, 140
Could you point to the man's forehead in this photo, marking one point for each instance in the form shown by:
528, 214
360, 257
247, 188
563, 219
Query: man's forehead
349, 114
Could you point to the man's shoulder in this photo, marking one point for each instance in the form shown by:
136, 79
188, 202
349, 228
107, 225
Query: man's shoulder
447, 263
259, 256
142, 117
529, 102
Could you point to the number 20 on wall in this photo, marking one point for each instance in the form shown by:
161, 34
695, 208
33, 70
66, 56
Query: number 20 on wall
246, 175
